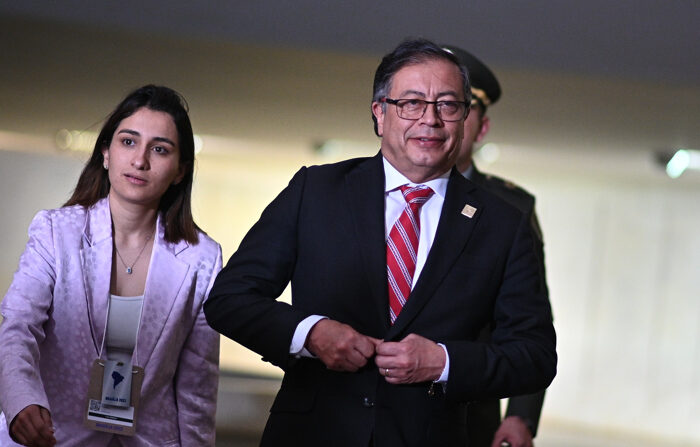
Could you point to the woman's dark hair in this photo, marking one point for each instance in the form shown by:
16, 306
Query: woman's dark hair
175, 205
411, 52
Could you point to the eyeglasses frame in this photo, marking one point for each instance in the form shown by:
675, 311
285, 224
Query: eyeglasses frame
394, 102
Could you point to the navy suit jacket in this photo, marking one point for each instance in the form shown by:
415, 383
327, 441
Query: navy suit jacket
325, 233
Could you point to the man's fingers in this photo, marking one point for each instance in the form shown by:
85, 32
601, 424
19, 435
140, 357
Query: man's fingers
390, 348
339, 346
389, 357
366, 346
413, 359
354, 356
375, 341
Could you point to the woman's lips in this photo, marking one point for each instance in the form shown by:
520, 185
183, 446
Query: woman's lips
136, 180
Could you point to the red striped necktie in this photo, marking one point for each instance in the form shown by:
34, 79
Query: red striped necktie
402, 248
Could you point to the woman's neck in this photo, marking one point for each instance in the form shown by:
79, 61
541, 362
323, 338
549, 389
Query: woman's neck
132, 223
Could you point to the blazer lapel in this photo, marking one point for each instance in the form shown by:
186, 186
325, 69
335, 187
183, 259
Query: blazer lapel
453, 232
365, 194
166, 274
96, 259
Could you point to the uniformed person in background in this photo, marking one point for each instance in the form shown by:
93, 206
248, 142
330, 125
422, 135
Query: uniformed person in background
519, 426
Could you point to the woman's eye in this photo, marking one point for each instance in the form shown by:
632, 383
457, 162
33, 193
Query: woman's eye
128, 142
160, 150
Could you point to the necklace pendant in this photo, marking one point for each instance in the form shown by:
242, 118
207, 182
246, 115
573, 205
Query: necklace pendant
128, 270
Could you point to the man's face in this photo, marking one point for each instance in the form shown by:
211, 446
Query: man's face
425, 148
476, 126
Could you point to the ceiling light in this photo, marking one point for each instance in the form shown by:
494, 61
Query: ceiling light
681, 161
75, 140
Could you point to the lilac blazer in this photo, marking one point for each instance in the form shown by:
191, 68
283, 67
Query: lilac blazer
54, 321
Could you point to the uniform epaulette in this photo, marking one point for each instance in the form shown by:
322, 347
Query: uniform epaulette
498, 182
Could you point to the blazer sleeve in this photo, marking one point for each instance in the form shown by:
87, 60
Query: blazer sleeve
243, 302
528, 408
521, 356
25, 310
197, 378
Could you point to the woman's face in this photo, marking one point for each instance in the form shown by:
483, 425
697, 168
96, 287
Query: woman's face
143, 158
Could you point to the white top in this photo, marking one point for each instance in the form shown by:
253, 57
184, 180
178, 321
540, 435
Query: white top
123, 326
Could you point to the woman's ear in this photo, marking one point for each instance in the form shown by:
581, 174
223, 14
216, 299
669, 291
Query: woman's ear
105, 156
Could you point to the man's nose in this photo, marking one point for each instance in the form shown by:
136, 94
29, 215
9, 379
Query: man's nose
431, 116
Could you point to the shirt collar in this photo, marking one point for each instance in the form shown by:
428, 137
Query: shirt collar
394, 179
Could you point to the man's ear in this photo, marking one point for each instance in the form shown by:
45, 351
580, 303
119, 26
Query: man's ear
378, 112
485, 126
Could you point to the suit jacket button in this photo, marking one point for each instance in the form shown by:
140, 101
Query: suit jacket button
367, 402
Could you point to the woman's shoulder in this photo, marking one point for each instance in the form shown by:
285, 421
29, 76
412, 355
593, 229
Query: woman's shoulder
206, 244
67, 216
64, 211
206, 251
205, 255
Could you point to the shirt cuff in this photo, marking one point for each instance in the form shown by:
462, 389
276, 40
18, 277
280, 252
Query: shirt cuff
297, 348
446, 371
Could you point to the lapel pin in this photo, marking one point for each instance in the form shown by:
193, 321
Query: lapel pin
468, 211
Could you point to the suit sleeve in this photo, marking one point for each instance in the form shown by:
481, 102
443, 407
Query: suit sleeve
484, 416
197, 378
243, 302
528, 408
521, 355
25, 310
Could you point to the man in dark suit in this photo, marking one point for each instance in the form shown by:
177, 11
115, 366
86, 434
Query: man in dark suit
397, 263
523, 412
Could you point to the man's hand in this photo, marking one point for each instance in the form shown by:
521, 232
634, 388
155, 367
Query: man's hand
339, 346
514, 431
33, 427
414, 359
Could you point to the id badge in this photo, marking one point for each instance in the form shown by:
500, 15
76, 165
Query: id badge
116, 384
101, 412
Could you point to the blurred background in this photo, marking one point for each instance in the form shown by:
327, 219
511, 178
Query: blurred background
597, 98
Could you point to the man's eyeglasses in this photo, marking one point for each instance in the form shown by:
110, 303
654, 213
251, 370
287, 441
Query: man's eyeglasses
414, 109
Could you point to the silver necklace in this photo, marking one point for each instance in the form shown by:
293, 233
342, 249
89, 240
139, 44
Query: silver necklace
130, 268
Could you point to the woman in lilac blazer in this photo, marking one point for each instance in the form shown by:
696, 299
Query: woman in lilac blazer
126, 233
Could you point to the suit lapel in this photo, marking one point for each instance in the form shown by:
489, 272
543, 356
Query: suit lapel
96, 259
365, 194
166, 274
453, 232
